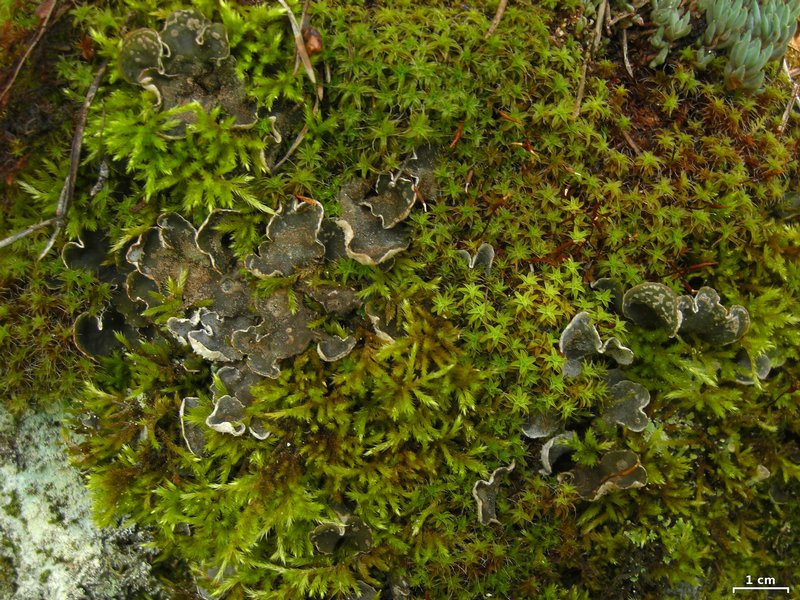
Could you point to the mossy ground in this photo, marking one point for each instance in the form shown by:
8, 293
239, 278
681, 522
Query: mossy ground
665, 178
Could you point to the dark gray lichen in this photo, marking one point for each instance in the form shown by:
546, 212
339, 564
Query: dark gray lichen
365, 238
332, 347
336, 300
193, 436
485, 494
96, 334
212, 340
751, 370
221, 316
705, 317
553, 449
169, 253
365, 592
617, 470
482, 259
386, 327
237, 381
393, 200
227, 416
615, 290
292, 241
188, 61
580, 341
282, 333
652, 305
629, 400
541, 425
351, 534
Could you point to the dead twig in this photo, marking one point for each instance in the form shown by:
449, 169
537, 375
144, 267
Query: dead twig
598, 34
634, 14
297, 140
300, 45
25, 232
795, 95
303, 24
45, 19
68, 191
501, 8
627, 62
788, 112
631, 143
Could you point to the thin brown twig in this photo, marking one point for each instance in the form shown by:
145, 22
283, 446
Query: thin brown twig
25, 232
296, 141
303, 24
68, 191
598, 34
501, 8
631, 143
613, 20
788, 112
603, 12
795, 99
301, 47
627, 62
28, 50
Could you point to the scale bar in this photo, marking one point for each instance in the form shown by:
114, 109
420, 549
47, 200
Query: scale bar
761, 588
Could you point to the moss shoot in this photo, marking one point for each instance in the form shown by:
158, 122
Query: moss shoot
561, 181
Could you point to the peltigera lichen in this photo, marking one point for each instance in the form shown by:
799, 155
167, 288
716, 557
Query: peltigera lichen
463, 191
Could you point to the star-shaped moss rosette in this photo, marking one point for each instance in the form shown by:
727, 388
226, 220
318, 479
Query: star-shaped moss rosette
169, 252
706, 318
292, 241
485, 494
95, 335
617, 470
580, 341
187, 61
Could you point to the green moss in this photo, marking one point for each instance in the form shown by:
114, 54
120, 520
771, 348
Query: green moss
666, 178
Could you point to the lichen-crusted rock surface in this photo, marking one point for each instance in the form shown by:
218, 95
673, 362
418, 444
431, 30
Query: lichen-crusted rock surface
50, 546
